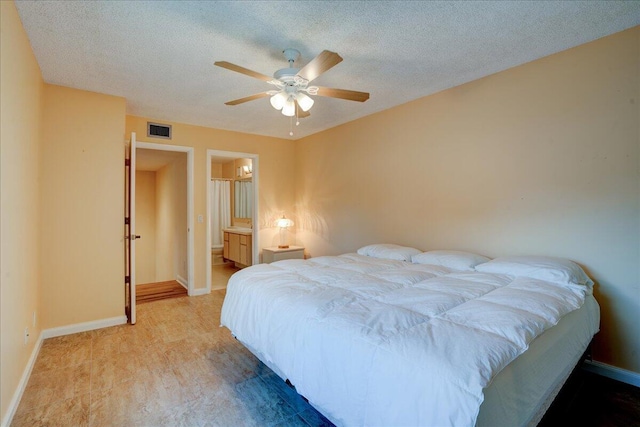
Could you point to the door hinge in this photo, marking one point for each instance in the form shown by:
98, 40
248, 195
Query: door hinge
127, 279
127, 162
126, 221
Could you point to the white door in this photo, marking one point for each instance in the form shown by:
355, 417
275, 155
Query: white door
130, 234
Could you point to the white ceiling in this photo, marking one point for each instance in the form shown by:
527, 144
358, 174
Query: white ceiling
159, 55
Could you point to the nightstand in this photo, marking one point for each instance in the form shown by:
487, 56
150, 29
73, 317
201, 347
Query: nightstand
278, 254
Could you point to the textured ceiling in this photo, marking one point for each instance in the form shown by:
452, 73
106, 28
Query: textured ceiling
159, 55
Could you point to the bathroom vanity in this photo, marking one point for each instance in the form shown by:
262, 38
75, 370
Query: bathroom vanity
238, 245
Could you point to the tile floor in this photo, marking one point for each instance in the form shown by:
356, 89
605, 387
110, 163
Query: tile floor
175, 367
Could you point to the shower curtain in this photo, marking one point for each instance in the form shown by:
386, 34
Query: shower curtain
220, 210
243, 199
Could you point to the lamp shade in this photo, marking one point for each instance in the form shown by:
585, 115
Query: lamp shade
284, 222
305, 102
289, 108
278, 100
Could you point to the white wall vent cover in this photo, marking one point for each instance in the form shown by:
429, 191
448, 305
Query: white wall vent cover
158, 130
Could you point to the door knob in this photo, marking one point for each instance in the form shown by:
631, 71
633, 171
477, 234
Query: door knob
134, 237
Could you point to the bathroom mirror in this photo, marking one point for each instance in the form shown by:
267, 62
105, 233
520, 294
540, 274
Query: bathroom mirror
243, 199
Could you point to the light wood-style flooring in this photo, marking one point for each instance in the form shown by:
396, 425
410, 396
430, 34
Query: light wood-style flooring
149, 292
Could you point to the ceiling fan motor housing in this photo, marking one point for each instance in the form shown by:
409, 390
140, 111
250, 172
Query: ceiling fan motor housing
286, 75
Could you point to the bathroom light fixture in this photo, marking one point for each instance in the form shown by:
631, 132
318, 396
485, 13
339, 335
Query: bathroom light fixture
283, 223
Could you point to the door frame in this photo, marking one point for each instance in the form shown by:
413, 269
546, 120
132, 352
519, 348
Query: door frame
255, 249
190, 204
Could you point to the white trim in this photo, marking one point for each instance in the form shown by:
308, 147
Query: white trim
182, 281
190, 204
255, 250
201, 291
83, 327
612, 372
22, 385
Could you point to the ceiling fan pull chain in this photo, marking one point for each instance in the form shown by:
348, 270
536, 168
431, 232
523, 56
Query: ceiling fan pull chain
297, 118
291, 126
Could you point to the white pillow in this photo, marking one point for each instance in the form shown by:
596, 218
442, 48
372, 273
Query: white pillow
456, 260
389, 251
550, 269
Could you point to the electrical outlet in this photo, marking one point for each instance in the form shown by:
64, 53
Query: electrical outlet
26, 336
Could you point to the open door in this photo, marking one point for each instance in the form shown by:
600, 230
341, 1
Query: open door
130, 232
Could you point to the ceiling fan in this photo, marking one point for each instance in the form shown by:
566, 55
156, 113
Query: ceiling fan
292, 90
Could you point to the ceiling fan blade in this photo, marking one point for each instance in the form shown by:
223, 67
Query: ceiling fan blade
246, 71
350, 95
301, 113
319, 65
247, 99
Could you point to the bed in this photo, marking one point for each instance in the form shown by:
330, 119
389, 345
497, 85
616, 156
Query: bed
393, 336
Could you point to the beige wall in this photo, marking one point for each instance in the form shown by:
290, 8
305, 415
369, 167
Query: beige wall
216, 170
21, 87
146, 227
543, 158
276, 186
82, 207
171, 221
229, 169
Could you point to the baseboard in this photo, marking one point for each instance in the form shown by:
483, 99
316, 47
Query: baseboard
83, 327
182, 281
612, 372
200, 291
17, 396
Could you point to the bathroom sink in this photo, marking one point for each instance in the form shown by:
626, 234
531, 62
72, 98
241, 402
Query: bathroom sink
239, 230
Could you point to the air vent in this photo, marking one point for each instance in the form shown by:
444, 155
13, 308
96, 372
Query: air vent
157, 130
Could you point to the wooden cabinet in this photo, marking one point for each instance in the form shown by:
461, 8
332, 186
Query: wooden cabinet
237, 247
245, 249
225, 251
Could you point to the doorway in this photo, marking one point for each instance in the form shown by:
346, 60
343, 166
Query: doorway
242, 171
164, 212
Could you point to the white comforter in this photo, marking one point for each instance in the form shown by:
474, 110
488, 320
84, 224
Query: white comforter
390, 343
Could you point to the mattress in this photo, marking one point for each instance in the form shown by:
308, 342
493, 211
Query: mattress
381, 342
521, 393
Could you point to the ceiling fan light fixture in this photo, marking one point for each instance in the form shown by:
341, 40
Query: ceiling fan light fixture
292, 93
305, 102
289, 108
278, 100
